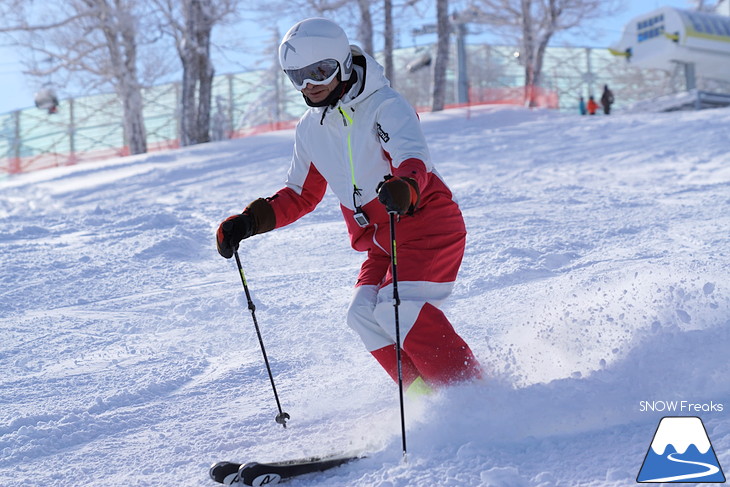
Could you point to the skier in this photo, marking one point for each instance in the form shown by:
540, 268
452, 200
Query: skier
607, 99
364, 139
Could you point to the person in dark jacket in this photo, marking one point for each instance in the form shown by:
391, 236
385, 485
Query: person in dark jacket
607, 99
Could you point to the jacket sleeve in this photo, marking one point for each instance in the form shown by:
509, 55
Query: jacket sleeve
305, 188
401, 137
413, 168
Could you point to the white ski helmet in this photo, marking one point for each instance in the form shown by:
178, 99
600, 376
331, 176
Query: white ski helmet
311, 41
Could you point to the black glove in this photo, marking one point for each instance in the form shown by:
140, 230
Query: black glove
233, 229
399, 195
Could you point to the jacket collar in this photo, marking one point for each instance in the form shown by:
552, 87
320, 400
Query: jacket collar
370, 78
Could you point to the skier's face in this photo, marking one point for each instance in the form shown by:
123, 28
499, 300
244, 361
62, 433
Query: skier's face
318, 93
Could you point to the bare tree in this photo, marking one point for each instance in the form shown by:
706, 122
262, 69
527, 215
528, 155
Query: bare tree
191, 23
443, 29
388, 38
193, 47
365, 29
534, 22
342, 11
97, 40
705, 5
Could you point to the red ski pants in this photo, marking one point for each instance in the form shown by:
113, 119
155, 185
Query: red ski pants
431, 348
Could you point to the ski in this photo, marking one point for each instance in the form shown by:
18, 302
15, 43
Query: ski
258, 474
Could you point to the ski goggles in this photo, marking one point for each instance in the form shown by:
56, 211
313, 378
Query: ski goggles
319, 73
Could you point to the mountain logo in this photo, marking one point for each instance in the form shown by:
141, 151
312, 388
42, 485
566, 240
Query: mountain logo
681, 452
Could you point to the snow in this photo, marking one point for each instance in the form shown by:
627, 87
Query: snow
689, 429
594, 288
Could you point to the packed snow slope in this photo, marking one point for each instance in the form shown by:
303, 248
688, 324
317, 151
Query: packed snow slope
595, 285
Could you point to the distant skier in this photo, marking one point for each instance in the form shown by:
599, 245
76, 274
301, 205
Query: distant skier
364, 139
592, 106
607, 99
582, 106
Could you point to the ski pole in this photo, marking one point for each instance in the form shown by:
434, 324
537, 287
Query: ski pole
282, 416
396, 303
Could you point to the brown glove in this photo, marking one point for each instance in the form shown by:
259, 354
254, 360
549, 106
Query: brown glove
258, 217
399, 195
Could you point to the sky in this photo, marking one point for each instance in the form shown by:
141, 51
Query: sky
18, 90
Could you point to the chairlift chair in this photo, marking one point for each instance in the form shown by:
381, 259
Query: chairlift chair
420, 62
46, 99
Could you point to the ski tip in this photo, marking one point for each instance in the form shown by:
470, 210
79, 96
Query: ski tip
259, 474
224, 472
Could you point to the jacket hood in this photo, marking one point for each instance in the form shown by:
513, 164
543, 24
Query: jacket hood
370, 73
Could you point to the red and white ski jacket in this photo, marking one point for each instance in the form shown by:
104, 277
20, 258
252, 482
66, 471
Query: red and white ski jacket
371, 132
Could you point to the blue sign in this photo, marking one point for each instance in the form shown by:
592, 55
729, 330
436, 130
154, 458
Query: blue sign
681, 452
